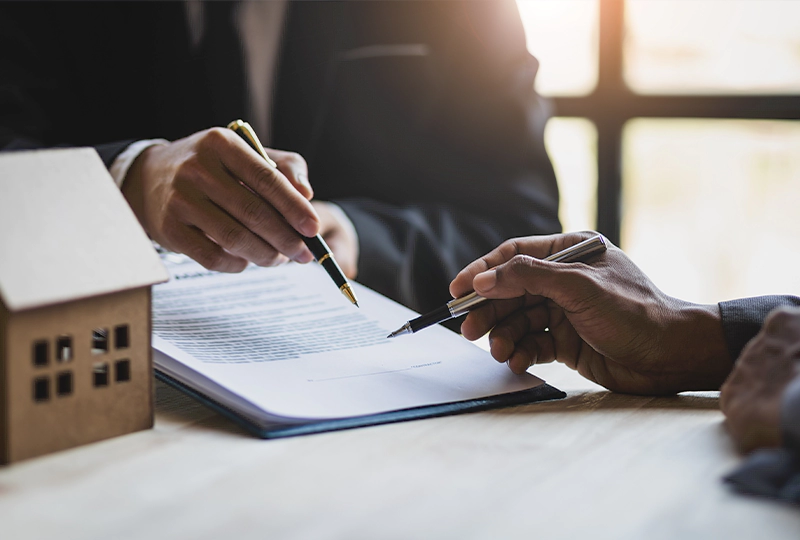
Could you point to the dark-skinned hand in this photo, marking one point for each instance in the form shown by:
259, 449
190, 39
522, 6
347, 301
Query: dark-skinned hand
752, 395
605, 319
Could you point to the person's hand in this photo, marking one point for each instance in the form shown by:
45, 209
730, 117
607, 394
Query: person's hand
215, 199
340, 235
605, 319
751, 396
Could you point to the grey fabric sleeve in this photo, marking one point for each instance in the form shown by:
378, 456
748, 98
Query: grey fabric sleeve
742, 319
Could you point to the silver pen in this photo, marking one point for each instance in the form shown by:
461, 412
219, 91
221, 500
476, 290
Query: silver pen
455, 308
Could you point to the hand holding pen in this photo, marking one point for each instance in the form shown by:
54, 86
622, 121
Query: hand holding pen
579, 252
213, 199
315, 243
605, 318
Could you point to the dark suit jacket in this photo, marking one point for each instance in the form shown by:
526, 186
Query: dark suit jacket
433, 149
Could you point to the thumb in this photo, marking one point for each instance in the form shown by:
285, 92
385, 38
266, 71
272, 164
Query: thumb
563, 283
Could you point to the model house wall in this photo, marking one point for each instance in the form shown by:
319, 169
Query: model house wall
66, 387
75, 276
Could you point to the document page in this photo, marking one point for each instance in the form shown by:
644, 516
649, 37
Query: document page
286, 343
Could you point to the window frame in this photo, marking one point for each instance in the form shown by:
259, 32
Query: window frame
612, 104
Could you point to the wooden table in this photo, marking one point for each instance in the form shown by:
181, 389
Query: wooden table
597, 465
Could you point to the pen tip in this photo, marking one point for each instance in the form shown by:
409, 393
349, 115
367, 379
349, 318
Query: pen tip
356, 304
390, 336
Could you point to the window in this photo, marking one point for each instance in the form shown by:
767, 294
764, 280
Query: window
64, 383
40, 353
690, 128
122, 370
562, 34
121, 338
41, 389
100, 341
64, 348
100, 374
572, 146
742, 47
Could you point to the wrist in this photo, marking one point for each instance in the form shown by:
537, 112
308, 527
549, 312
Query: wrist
133, 185
698, 350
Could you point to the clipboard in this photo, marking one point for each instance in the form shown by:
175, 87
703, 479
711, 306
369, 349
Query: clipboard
543, 392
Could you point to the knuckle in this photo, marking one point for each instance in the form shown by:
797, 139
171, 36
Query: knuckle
215, 137
265, 182
176, 203
253, 213
234, 237
778, 318
295, 158
519, 264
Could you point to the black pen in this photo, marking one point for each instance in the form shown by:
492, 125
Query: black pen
455, 308
315, 244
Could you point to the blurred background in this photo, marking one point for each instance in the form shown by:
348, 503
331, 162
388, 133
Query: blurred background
676, 134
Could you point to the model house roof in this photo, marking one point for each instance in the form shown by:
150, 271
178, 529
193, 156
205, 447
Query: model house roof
66, 232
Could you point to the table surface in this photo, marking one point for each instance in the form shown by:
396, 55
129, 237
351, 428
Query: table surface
595, 464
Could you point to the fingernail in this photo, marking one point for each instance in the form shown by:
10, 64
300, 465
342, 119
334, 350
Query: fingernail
303, 257
485, 281
309, 226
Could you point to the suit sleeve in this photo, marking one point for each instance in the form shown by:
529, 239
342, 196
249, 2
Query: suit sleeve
742, 319
476, 176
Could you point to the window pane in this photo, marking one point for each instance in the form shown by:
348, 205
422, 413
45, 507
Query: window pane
572, 146
710, 206
562, 35
712, 46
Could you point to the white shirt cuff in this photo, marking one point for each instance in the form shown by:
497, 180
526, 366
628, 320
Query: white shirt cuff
122, 163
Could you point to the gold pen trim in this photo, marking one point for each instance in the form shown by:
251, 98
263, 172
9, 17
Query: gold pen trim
347, 290
250, 134
321, 259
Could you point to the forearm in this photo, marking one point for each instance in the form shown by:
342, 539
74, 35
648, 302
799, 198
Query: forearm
696, 345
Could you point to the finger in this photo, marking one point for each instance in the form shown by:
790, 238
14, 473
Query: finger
232, 236
272, 185
534, 246
565, 284
256, 215
504, 337
481, 320
462, 284
199, 247
533, 349
295, 168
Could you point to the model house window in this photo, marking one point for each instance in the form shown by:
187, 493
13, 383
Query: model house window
100, 341
41, 389
100, 374
40, 353
677, 124
121, 337
64, 348
122, 370
64, 383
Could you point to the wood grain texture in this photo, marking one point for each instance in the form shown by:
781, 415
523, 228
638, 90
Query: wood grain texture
596, 464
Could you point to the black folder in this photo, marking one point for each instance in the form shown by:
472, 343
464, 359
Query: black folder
543, 392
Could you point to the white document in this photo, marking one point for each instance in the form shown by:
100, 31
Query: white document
283, 345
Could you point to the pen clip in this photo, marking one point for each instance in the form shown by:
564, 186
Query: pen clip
244, 130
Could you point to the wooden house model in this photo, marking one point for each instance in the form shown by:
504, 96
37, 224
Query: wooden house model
75, 276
